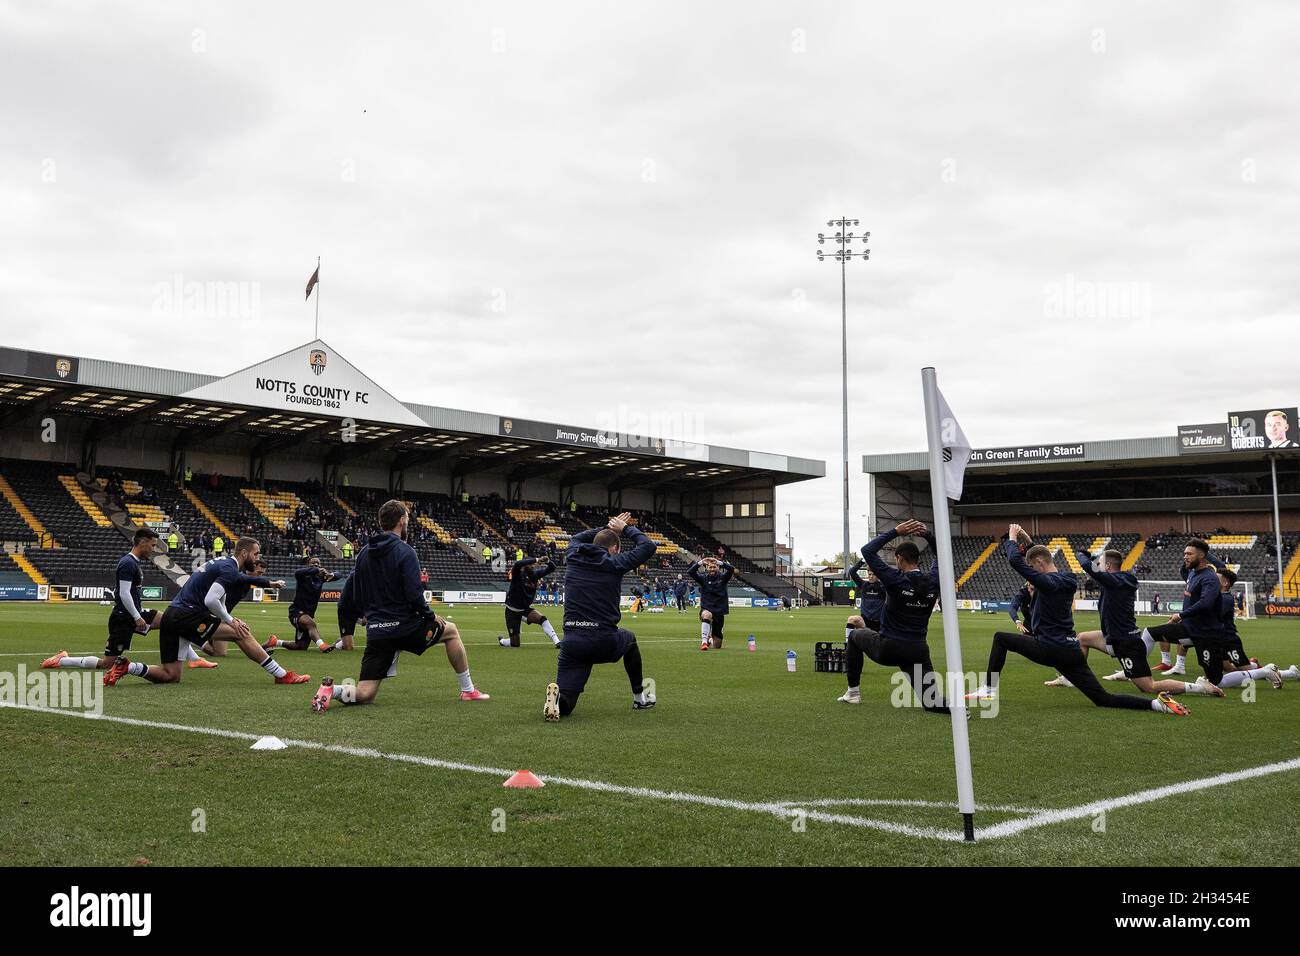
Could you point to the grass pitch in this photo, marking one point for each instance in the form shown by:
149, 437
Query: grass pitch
692, 782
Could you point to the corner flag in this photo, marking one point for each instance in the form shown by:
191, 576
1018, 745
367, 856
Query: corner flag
956, 449
949, 451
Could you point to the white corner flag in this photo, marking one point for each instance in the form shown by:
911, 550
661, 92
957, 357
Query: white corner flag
956, 448
949, 451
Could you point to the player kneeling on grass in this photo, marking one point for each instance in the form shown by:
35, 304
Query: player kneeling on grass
1120, 637
191, 617
714, 602
1053, 642
128, 618
525, 575
1241, 668
385, 589
593, 580
910, 596
1202, 624
310, 578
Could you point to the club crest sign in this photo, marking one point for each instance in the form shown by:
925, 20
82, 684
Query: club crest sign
333, 387
63, 367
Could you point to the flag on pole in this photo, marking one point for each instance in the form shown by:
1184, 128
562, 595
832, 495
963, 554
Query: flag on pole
311, 283
949, 451
956, 449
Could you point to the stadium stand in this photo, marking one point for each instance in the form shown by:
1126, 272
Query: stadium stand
1250, 554
13, 527
1290, 588
43, 502
28, 526
85, 546
209, 456
992, 579
969, 555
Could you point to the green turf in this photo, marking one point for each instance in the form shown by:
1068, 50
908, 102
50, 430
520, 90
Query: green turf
732, 724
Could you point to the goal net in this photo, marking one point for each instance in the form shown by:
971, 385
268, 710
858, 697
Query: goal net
1159, 598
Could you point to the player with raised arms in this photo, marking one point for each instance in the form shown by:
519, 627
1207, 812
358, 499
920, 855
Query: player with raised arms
310, 579
712, 576
901, 640
871, 600
593, 582
1053, 642
1120, 637
525, 576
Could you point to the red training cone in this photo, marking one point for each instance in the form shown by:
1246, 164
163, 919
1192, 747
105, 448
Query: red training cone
524, 779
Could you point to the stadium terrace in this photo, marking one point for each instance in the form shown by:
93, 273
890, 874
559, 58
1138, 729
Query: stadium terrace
298, 449
1142, 496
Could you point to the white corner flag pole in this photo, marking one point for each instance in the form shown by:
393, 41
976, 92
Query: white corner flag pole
955, 686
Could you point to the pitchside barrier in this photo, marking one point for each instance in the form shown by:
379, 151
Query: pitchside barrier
1171, 597
24, 592
471, 597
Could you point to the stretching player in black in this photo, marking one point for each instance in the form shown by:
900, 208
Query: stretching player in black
910, 596
525, 575
1120, 637
311, 577
129, 616
593, 580
1199, 623
871, 600
1053, 642
714, 602
1245, 669
385, 589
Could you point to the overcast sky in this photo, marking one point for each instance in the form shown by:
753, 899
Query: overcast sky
1084, 214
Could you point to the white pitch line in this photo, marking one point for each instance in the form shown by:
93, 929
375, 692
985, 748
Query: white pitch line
1046, 818
782, 809
675, 796
927, 804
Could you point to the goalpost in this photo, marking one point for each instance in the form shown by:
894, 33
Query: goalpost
1171, 597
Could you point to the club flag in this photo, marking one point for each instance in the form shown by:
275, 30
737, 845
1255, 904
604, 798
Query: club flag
956, 449
311, 283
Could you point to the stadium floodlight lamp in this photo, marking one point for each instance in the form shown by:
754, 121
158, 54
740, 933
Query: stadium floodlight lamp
842, 251
843, 240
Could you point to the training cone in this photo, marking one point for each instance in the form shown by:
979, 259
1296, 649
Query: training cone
524, 779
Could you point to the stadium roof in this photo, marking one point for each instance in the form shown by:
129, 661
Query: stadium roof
309, 393
1076, 456
1063, 456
